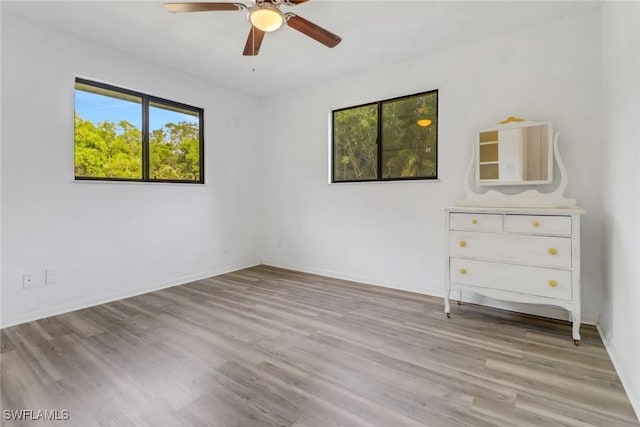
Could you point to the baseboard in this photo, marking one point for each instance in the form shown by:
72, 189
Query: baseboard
103, 299
544, 311
632, 389
350, 277
536, 310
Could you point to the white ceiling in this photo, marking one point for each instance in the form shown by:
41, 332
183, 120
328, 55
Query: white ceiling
209, 45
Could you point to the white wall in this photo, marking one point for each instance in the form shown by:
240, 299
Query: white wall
383, 233
621, 191
110, 240
392, 233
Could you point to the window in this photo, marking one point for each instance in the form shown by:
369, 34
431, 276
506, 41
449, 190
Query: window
395, 139
129, 136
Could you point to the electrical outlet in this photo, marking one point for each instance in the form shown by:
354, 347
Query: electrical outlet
27, 282
50, 276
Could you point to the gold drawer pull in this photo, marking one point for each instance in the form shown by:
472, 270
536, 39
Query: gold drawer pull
474, 221
462, 243
463, 271
536, 224
553, 251
553, 283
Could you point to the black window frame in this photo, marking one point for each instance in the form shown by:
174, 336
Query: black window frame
146, 100
379, 142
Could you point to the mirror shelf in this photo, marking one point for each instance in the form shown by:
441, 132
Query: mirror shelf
515, 167
516, 152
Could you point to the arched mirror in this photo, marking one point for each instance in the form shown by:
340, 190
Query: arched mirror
516, 152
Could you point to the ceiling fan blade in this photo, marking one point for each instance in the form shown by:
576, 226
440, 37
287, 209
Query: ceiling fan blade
203, 7
252, 47
293, 2
312, 30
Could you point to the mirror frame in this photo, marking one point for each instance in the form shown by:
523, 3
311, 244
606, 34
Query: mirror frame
515, 123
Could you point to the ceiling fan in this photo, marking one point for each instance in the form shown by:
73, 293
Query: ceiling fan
265, 16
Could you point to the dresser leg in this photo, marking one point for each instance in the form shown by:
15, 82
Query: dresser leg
576, 327
447, 305
460, 298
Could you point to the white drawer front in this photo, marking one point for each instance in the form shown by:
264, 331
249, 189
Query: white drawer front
545, 282
540, 224
473, 221
532, 250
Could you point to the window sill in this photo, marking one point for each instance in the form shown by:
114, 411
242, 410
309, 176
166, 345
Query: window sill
153, 183
391, 181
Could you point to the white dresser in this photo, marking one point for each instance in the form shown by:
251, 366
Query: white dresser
515, 254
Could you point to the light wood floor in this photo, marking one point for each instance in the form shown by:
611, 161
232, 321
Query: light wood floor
270, 347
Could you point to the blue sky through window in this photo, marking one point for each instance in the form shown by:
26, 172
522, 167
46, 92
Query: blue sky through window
99, 108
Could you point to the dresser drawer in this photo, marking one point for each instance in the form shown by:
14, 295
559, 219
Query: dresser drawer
539, 224
545, 282
526, 249
475, 221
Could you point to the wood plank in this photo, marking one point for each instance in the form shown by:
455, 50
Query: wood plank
265, 346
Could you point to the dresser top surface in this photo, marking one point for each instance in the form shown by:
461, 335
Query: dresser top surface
528, 211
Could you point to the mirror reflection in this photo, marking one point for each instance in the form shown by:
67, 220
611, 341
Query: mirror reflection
515, 155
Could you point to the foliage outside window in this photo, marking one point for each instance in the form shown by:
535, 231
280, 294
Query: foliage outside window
394, 139
129, 136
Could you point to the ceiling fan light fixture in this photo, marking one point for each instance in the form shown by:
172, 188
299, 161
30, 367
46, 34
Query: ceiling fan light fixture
266, 17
